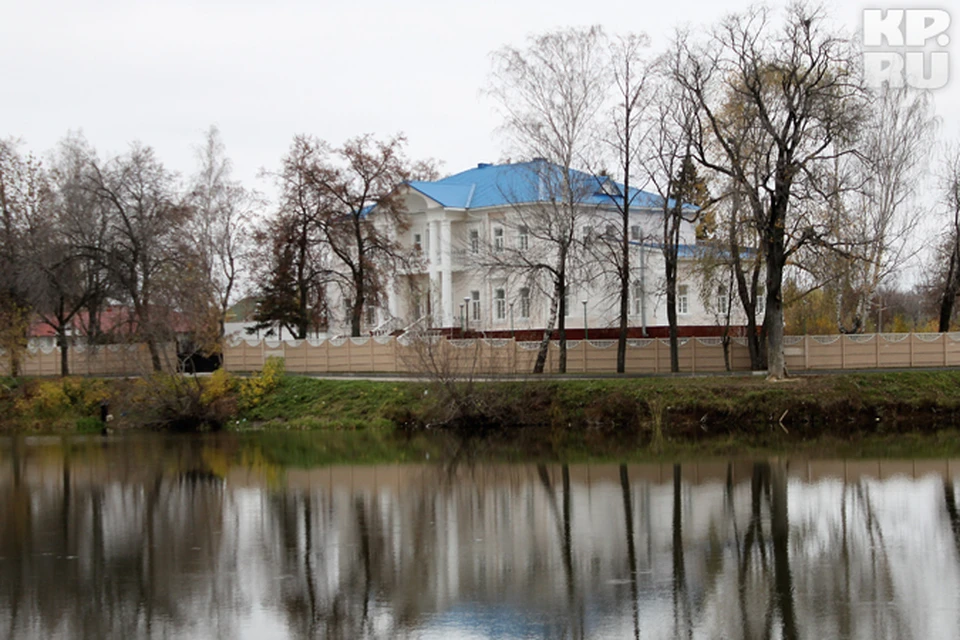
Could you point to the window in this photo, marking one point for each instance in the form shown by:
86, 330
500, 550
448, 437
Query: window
500, 304
587, 236
475, 298
418, 243
683, 303
525, 302
474, 241
523, 240
610, 231
498, 239
637, 299
371, 315
566, 304
635, 233
417, 307
722, 299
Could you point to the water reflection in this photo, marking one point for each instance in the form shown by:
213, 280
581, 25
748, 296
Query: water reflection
186, 538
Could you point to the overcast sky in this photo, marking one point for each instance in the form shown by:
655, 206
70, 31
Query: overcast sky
161, 72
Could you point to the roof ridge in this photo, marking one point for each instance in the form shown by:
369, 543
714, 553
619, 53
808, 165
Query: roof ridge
473, 188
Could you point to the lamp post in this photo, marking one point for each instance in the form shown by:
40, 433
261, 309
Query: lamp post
512, 334
461, 318
586, 330
466, 315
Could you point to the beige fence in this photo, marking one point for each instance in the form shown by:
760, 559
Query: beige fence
498, 356
105, 360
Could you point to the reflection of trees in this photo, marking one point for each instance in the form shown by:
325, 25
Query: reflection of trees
155, 543
97, 559
950, 500
631, 549
780, 531
682, 616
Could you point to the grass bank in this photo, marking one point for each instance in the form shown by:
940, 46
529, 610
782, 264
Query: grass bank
844, 414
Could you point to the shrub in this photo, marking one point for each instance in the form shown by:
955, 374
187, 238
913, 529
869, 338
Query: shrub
86, 394
43, 399
254, 389
184, 403
219, 386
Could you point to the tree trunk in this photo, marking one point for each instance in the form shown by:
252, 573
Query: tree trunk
951, 288
672, 315
356, 317
63, 343
541, 362
773, 314
780, 528
624, 277
154, 354
562, 325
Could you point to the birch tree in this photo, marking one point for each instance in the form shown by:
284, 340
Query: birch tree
947, 257
549, 94
220, 225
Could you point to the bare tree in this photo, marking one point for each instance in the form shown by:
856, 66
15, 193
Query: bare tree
361, 215
884, 214
948, 254
221, 223
84, 221
631, 73
553, 209
64, 275
668, 163
23, 198
549, 95
800, 89
631, 79
291, 272
145, 218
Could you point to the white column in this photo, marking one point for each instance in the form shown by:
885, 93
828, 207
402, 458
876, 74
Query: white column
433, 232
447, 275
393, 292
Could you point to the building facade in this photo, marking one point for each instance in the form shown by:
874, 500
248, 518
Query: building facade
484, 241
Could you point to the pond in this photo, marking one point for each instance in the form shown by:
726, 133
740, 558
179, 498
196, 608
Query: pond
183, 537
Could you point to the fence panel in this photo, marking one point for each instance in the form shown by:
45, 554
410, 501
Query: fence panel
649, 355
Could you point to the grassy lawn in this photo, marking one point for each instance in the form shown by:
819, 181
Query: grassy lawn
868, 414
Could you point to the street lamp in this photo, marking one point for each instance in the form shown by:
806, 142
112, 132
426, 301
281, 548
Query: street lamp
466, 316
586, 330
512, 334
461, 318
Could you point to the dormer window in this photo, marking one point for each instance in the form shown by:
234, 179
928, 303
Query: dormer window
609, 188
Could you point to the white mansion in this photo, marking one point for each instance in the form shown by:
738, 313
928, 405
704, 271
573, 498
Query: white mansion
480, 234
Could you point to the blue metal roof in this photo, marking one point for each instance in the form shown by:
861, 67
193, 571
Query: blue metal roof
491, 185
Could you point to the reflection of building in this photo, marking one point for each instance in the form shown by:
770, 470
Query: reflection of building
474, 232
